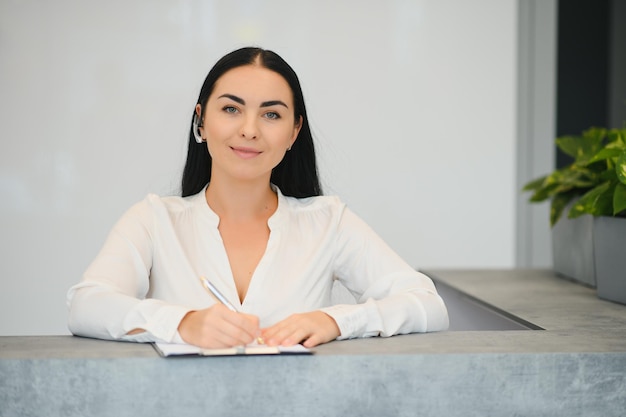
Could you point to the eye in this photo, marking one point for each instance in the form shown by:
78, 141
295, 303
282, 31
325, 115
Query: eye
229, 109
272, 115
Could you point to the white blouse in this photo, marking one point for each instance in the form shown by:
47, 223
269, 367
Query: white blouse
147, 274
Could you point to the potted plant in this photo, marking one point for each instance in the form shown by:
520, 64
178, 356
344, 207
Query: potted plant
595, 184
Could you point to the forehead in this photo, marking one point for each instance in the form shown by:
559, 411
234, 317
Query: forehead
253, 82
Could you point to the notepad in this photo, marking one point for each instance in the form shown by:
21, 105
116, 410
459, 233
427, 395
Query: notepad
173, 349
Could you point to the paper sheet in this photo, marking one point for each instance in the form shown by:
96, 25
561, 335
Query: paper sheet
174, 349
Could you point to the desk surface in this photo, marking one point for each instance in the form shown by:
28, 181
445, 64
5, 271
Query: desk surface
576, 366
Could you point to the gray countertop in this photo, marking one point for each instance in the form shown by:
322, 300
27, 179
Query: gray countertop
575, 367
574, 318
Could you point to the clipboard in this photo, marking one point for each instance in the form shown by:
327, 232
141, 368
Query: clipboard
174, 349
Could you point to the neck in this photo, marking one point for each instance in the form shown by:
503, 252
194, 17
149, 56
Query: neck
241, 200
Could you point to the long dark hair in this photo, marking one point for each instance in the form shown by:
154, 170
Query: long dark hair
296, 175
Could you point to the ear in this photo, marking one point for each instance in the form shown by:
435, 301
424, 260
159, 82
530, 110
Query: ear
197, 125
296, 131
199, 113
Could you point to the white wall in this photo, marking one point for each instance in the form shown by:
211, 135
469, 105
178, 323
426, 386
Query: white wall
413, 105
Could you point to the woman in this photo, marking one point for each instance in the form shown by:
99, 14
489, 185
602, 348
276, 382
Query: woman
252, 221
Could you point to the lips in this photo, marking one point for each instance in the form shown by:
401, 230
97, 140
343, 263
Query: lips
244, 152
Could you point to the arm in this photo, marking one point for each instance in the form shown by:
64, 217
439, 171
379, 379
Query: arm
110, 303
393, 298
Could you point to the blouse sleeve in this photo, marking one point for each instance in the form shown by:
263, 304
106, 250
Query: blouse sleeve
392, 297
111, 299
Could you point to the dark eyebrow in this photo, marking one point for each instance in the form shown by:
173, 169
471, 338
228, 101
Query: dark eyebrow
264, 104
273, 103
233, 98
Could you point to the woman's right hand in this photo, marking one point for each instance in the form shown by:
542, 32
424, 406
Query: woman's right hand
218, 327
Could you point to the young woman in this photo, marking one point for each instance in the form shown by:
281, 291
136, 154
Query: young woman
252, 221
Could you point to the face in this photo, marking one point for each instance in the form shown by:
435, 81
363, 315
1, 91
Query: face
248, 123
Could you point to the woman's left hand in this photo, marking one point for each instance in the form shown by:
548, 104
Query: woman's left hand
310, 329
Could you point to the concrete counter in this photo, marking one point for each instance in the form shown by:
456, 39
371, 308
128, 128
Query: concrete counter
575, 367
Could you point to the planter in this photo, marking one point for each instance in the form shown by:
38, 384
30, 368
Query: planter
609, 239
572, 249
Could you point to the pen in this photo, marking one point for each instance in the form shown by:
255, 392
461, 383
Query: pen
217, 294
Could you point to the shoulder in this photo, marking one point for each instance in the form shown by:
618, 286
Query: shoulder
330, 205
310, 213
154, 202
154, 207
329, 211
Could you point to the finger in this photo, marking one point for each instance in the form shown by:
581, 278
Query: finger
288, 332
223, 327
224, 335
272, 335
247, 322
310, 329
232, 335
288, 337
313, 341
271, 332
244, 328
295, 337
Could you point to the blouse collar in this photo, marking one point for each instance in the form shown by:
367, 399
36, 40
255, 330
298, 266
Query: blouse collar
199, 200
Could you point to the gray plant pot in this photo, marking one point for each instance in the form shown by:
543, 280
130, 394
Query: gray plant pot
609, 239
572, 249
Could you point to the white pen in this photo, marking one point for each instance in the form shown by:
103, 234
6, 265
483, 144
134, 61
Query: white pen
217, 294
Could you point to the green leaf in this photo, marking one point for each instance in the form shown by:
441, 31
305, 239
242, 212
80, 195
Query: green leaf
571, 145
619, 199
604, 154
584, 147
559, 202
543, 193
575, 178
597, 202
620, 167
617, 144
609, 175
569, 179
534, 184
604, 203
617, 138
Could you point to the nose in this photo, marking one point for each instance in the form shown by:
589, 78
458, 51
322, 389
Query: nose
249, 128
